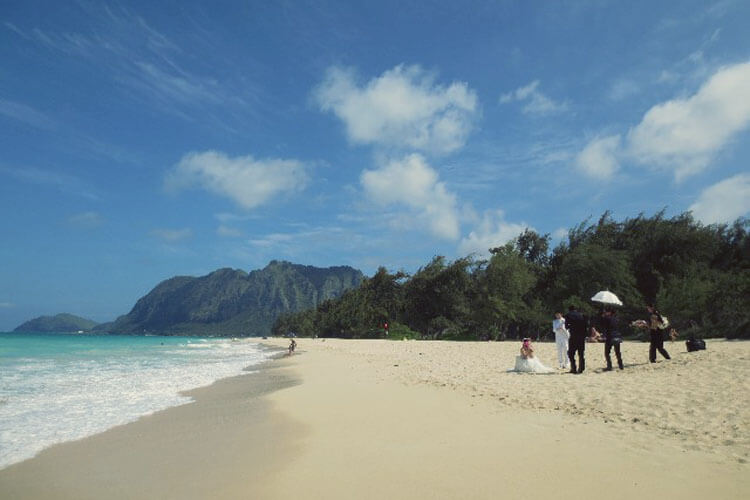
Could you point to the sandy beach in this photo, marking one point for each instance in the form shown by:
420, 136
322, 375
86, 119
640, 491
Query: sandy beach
390, 419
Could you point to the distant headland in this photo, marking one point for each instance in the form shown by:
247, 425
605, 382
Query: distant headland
227, 302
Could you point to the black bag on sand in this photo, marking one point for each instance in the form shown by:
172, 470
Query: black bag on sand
694, 344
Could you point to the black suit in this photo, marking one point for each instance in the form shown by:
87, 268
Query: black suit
611, 339
577, 325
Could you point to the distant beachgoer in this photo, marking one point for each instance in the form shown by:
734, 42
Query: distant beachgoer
528, 363
594, 336
673, 335
561, 340
612, 338
576, 324
292, 346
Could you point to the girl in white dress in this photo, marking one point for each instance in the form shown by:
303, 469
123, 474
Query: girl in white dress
529, 363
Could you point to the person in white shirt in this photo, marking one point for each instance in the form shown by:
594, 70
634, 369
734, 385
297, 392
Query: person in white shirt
561, 339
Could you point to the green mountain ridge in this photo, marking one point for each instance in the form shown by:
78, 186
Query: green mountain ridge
59, 323
232, 301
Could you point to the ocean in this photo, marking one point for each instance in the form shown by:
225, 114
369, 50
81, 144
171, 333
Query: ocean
62, 387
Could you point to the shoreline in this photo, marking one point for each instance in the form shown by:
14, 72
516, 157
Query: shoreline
185, 451
378, 419
94, 400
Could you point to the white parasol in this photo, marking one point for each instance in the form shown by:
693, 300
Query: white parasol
607, 297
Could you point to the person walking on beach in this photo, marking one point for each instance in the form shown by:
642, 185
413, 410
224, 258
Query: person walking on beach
561, 340
576, 324
612, 338
655, 325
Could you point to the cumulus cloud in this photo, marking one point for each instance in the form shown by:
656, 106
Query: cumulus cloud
599, 158
724, 201
536, 102
411, 182
402, 108
491, 231
683, 135
245, 180
172, 235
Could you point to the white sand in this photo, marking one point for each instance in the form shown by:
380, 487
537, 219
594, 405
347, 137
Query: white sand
433, 420
446, 420
701, 399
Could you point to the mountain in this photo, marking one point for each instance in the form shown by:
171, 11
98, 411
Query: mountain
233, 302
58, 323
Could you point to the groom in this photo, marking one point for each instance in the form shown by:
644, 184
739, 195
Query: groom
576, 324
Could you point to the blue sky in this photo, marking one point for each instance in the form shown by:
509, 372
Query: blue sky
144, 140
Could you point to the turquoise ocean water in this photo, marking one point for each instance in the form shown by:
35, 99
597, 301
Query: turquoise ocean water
60, 387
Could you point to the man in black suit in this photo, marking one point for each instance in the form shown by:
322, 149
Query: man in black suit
577, 325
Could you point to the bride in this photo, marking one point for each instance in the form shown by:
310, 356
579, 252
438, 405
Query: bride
529, 363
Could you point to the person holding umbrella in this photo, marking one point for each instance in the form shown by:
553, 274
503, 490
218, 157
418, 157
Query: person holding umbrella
612, 338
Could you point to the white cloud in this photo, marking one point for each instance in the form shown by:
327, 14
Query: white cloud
25, 114
622, 89
684, 134
724, 201
536, 102
304, 241
172, 235
402, 108
245, 180
491, 231
560, 233
86, 220
413, 183
228, 232
599, 158
272, 239
65, 183
230, 218
122, 45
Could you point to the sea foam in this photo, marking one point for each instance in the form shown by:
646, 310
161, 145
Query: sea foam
61, 393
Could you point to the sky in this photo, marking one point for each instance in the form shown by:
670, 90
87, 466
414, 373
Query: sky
144, 140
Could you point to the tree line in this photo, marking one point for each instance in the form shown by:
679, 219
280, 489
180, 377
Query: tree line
697, 275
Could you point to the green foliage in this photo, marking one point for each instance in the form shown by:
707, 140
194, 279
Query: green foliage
698, 275
398, 331
688, 296
591, 267
729, 305
439, 290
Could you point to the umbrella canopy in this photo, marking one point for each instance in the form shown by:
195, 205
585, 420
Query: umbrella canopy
607, 297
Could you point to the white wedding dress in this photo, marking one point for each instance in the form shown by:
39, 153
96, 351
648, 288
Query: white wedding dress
530, 365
